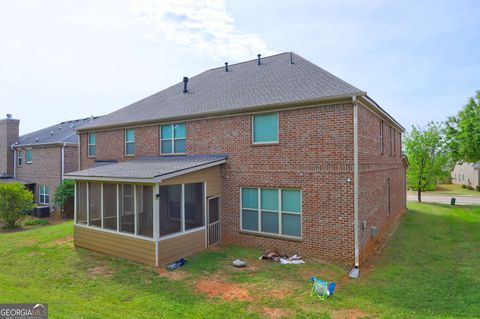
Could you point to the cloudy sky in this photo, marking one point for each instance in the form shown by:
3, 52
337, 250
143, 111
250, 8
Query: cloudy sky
61, 60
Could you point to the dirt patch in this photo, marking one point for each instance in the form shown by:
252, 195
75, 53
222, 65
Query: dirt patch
31, 242
173, 275
277, 313
63, 240
100, 271
224, 290
348, 314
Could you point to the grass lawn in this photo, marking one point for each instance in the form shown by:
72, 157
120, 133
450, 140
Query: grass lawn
429, 269
450, 190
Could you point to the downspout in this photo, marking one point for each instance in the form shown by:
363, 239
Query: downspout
355, 272
63, 160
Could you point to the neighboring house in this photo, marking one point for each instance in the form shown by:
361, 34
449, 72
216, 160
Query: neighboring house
41, 158
466, 174
273, 153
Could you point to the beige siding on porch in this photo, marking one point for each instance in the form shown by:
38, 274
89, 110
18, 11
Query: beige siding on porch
136, 249
211, 175
171, 249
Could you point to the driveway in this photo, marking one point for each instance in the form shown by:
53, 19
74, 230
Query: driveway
443, 199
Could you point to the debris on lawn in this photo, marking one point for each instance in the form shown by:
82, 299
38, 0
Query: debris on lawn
321, 288
239, 263
282, 258
176, 264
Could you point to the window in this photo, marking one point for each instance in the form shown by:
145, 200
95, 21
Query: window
130, 142
181, 208
265, 128
381, 138
271, 210
389, 203
394, 142
44, 195
19, 156
81, 199
110, 206
145, 210
92, 144
390, 140
172, 138
127, 209
94, 204
28, 156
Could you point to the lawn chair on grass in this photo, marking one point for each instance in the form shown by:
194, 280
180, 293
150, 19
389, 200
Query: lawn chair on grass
322, 289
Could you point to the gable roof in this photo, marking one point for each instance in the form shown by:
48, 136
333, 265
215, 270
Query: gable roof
148, 169
64, 132
245, 85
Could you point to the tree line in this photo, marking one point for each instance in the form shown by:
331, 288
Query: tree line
433, 150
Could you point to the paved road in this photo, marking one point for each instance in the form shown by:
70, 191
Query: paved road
442, 199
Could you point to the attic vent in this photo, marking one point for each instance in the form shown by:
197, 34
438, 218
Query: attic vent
36, 140
226, 66
258, 60
51, 132
185, 87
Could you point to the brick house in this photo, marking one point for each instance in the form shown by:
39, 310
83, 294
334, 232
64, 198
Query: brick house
273, 153
41, 158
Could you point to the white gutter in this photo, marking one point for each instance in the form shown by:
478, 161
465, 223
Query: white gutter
355, 272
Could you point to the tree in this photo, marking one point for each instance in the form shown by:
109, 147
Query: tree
64, 191
463, 132
425, 149
15, 200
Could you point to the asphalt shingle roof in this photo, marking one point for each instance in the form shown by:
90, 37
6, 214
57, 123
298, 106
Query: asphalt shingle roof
148, 168
64, 132
246, 85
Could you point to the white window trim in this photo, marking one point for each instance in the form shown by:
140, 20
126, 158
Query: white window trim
28, 149
173, 139
40, 194
280, 213
88, 145
130, 142
253, 130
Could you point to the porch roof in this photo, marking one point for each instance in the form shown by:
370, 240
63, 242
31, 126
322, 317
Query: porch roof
148, 169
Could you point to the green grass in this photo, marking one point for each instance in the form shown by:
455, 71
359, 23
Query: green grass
33, 222
450, 190
429, 269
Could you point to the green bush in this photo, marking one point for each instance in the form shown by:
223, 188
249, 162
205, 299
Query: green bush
33, 222
464, 186
64, 191
478, 188
15, 200
470, 187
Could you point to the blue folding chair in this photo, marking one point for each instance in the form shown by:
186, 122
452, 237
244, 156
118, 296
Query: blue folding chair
321, 288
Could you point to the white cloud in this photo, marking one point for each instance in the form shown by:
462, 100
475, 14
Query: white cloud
201, 26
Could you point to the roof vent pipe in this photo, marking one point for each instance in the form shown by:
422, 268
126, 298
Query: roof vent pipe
259, 62
291, 58
9, 116
185, 81
226, 66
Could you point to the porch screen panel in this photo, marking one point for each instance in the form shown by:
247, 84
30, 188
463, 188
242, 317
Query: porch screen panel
145, 210
94, 204
110, 206
170, 209
81, 203
127, 213
194, 206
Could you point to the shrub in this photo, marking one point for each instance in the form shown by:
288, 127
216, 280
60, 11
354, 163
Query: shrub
470, 187
464, 186
15, 200
64, 191
33, 222
478, 188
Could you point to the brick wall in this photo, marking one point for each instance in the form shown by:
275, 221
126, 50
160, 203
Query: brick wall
374, 170
45, 169
8, 136
71, 158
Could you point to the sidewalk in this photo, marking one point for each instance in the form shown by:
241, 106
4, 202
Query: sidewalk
442, 199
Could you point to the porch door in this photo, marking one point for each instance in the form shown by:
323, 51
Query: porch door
214, 229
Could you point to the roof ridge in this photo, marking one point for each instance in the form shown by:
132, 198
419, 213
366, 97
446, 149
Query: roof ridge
253, 60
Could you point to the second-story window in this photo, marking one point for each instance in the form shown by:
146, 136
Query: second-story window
265, 128
130, 142
381, 138
172, 138
92, 144
390, 140
28, 155
19, 157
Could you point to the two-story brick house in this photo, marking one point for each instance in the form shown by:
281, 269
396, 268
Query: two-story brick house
273, 153
40, 159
